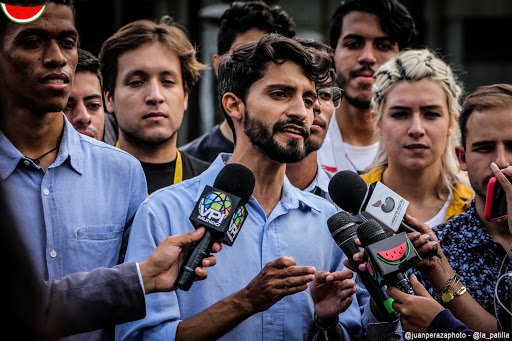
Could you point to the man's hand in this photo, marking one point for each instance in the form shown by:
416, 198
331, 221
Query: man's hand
161, 269
507, 188
332, 293
417, 312
279, 278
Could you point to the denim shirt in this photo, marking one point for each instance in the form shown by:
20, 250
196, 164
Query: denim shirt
72, 217
296, 227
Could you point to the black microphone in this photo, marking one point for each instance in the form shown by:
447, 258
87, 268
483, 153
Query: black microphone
388, 256
344, 233
221, 211
349, 191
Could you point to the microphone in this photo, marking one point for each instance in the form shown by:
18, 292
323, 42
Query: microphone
344, 233
390, 257
221, 211
349, 191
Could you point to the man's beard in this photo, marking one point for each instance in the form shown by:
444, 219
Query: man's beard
359, 102
480, 190
263, 137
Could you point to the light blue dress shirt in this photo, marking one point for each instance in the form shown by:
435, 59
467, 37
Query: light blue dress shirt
296, 227
320, 184
73, 217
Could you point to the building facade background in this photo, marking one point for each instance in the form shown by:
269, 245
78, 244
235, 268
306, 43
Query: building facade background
473, 36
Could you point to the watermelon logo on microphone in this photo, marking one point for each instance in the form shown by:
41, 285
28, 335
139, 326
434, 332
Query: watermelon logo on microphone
388, 206
22, 15
214, 208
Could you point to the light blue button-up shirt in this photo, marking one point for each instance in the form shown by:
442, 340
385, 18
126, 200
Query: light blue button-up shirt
296, 227
73, 216
320, 184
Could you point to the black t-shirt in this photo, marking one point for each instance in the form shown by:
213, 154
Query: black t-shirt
160, 175
208, 146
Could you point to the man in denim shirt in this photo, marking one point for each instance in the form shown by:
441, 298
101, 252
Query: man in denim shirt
71, 195
285, 272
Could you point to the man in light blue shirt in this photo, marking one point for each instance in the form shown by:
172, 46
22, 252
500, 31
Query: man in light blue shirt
285, 269
71, 196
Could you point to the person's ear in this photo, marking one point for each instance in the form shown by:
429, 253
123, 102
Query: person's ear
215, 61
453, 122
109, 101
461, 156
233, 106
185, 102
378, 129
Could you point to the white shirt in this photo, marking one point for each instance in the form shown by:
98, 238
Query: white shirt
334, 155
439, 217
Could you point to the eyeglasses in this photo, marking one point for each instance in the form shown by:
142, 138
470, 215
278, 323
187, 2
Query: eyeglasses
330, 98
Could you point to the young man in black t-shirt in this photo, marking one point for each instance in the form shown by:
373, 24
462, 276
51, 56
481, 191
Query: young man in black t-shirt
148, 70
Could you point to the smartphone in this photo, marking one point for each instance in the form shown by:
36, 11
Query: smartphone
495, 202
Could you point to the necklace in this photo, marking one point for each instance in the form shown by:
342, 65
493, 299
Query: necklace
38, 159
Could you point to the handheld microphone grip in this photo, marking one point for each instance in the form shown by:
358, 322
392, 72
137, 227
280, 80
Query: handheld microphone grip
196, 256
221, 211
403, 283
391, 256
344, 233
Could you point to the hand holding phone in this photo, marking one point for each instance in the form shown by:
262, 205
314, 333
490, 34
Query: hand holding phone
496, 201
499, 195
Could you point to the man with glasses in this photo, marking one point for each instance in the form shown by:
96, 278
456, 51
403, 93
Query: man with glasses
308, 175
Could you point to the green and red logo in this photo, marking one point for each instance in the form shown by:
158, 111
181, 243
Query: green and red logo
395, 255
22, 15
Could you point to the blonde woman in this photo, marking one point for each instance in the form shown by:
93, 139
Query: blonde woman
414, 109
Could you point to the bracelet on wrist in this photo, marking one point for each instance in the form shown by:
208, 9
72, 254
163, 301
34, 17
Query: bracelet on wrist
448, 293
322, 331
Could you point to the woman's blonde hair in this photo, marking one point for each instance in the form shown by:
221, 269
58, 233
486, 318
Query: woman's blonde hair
413, 66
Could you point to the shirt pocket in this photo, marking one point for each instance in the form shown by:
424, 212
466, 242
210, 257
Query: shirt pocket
99, 232
99, 245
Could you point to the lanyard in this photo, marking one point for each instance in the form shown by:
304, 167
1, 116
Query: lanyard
178, 170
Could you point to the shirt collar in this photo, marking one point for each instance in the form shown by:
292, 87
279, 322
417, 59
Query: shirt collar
291, 196
321, 181
70, 147
9, 157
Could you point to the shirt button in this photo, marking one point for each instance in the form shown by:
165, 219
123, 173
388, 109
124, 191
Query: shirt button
26, 162
46, 191
53, 253
272, 321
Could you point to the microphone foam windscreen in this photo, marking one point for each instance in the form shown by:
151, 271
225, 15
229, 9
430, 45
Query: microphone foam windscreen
341, 221
338, 220
347, 189
370, 232
236, 179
